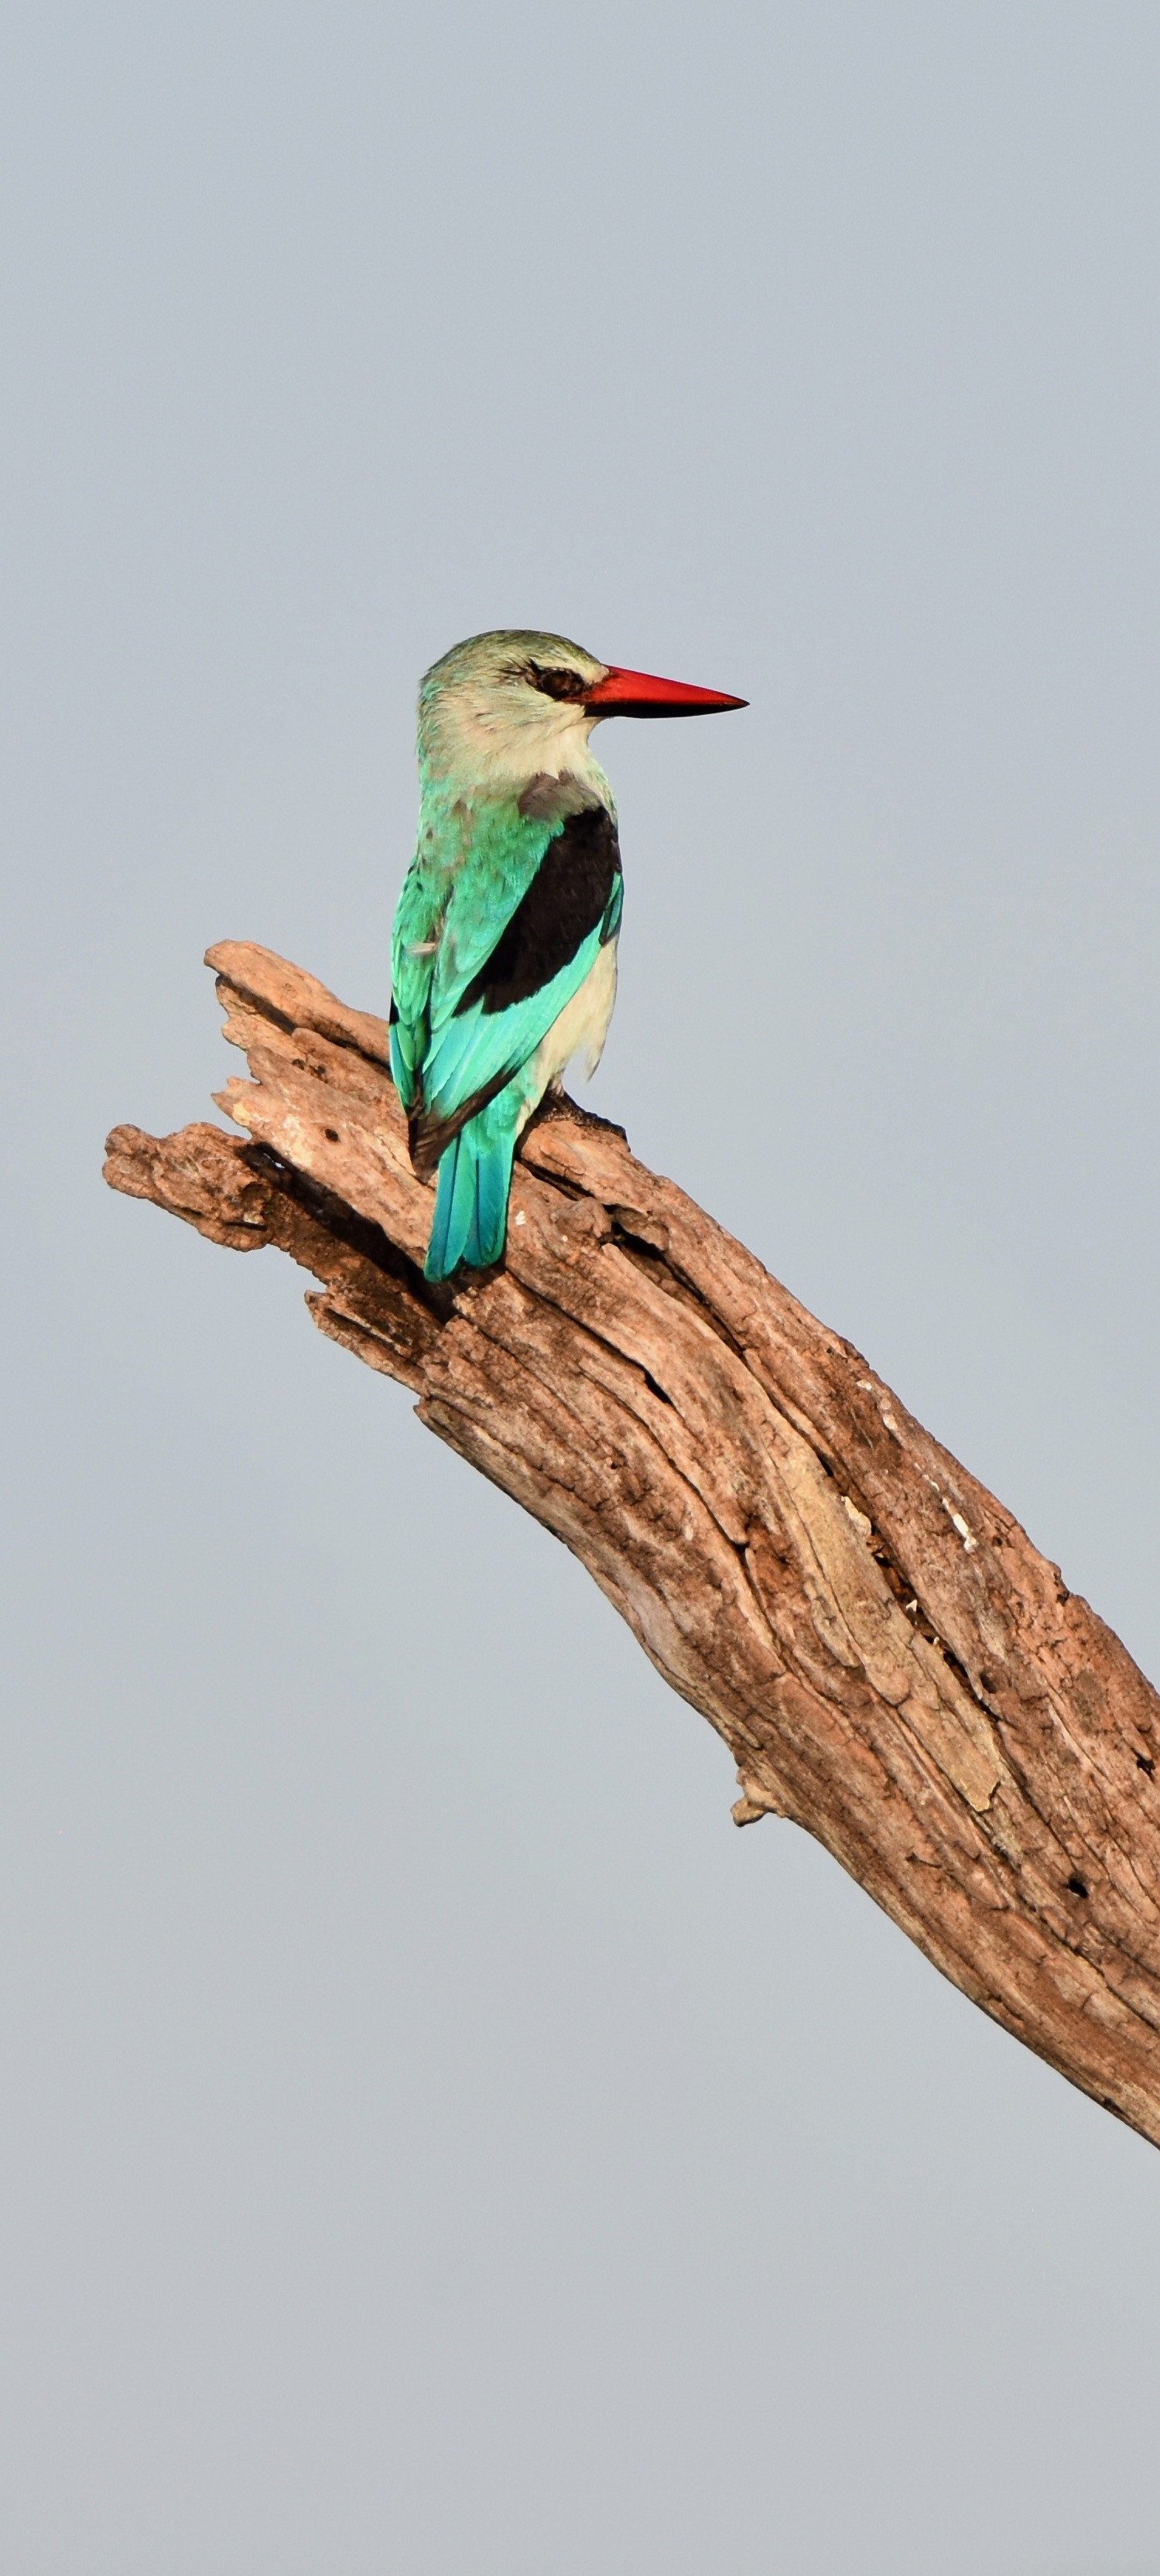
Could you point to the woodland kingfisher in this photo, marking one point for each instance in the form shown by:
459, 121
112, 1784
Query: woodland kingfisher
504, 949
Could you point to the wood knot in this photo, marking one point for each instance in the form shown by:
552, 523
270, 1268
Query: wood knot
756, 1800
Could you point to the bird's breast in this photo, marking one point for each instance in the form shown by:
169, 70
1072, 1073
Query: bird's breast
581, 1027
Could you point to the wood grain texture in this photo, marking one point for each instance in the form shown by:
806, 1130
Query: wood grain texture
890, 1661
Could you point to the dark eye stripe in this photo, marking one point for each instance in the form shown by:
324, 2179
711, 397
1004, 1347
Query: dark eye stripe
557, 682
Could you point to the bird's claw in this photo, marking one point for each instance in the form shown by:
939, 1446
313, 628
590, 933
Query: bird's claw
560, 1104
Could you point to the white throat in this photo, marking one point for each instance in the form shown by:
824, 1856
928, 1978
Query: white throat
481, 736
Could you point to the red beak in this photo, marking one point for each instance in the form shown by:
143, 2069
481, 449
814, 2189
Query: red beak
636, 693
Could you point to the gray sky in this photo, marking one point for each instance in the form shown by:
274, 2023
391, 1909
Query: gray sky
432, 2139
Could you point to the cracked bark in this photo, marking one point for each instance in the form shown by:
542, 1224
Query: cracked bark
889, 1659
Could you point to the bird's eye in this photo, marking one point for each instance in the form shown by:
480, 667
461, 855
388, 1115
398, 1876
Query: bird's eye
555, 681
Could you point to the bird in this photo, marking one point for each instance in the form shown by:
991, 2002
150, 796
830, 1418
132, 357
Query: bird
503, 953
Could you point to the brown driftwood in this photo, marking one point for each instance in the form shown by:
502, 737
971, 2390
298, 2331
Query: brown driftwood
890, 1661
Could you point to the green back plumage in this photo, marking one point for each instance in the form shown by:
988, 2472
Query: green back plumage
473, 866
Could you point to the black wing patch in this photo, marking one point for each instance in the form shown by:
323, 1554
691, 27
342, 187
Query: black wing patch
567, 898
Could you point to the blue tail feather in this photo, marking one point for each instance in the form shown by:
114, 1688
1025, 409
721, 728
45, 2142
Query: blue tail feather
471, 1197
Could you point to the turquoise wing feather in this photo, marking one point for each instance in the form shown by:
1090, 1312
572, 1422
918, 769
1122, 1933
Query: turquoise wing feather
462, 889
453, 1038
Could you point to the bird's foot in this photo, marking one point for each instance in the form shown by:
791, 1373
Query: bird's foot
560, 1104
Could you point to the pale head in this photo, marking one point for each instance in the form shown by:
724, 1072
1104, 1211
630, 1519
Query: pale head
505, 707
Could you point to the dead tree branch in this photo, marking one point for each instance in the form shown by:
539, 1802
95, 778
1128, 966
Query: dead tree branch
890, 1661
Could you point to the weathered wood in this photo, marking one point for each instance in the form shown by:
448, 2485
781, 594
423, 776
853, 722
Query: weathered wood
887, 1656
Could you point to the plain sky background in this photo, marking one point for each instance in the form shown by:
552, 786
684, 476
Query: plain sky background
435, 2143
